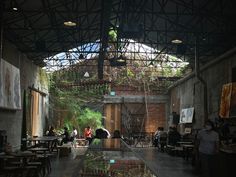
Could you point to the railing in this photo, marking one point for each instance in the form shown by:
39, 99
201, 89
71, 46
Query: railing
140, 139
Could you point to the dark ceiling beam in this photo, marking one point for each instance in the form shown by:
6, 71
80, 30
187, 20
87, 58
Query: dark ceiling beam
105, 25
210, 20
53, 22
2, 5
167, 51
14, 36
85, 24
35, 12
154, 44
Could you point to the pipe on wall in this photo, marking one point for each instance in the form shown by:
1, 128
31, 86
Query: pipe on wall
1, 28
198, 76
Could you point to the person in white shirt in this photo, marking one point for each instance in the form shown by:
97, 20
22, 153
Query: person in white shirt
74, 133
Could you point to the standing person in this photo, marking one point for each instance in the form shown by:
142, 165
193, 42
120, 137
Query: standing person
88, 134
173, 136
208, 147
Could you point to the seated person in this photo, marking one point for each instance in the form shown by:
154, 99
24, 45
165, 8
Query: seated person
116, 134
88, 134
160, 138
51, 131
101, 133
74, 133
66, 136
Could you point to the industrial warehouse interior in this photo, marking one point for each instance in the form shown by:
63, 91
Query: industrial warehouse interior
117, 88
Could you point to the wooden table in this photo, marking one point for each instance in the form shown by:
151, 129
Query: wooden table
21, 157
39, 149
49, 140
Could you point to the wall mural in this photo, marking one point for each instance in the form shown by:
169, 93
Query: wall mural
10, 97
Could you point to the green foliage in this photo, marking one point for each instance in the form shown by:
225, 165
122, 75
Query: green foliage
43, 77
67, 99
71, 100
180, 71
130, 73
69, 124
90, 118
167, 71
112, 35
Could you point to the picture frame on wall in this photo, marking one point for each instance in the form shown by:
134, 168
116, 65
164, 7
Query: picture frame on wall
228, 101
186, 115
10, 90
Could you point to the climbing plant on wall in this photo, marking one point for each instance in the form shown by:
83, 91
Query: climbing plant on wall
69, 104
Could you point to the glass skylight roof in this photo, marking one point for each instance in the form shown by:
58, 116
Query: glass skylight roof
130, 48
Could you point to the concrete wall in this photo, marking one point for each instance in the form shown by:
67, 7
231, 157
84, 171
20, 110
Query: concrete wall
11, 120
189, 91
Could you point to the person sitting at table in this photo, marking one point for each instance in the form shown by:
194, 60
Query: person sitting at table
160, 138
74, 133
51, 131
108, 135
116, 134
66, 136
100, 133
88, 134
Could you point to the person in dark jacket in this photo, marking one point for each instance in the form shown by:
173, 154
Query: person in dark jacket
66, 136
173, 136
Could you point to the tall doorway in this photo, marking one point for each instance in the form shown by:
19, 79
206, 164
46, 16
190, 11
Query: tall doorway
37, 114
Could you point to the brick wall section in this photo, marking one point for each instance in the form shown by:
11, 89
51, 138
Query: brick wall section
157, 117
156, 111
129, 90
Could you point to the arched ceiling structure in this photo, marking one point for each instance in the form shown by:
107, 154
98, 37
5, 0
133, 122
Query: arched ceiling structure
37, 27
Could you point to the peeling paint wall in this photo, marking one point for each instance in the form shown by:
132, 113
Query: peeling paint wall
11, 120
189, 92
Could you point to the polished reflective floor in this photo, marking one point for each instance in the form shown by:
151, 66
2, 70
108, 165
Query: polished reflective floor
165, 165
161, 163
